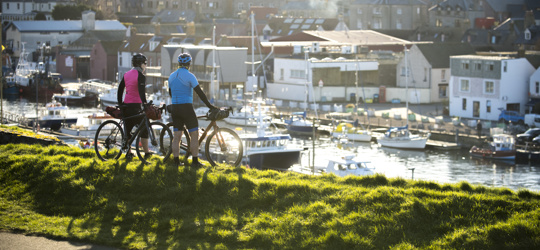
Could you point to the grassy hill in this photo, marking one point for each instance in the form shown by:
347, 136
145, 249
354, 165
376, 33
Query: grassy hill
64, 192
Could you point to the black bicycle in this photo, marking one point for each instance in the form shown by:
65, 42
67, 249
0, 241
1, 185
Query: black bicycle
111, 140
223, 145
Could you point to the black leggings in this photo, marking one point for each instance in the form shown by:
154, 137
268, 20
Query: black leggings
132, 109
183, 114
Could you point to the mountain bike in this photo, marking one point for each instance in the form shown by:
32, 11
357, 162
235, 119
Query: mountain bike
223, 145
111, 140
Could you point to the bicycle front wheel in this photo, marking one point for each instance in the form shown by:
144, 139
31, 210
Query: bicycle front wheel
224, 146
159, 142
108, 140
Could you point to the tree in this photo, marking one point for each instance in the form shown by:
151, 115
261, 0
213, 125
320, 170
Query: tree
72, 12
40, 16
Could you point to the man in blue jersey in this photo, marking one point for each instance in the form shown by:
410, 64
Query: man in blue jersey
181, 86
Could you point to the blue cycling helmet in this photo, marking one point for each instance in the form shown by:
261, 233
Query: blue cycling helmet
184, 59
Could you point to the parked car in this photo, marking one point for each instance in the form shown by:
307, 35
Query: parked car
511, 116
528, 136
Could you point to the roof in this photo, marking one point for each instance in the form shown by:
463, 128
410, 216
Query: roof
88, 39
287, 26
69, 26
351, 37
466, 5
174, 16
438, 54
111, 47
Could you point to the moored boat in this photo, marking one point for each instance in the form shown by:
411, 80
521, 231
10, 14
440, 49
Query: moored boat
53, 116
87, 126
503, 147
75, 97
348, 131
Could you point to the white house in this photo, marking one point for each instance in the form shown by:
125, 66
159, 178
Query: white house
324, 80
481, 85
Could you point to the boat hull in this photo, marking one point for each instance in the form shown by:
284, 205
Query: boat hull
54, 124
490, 154
301, 130
279, 160
410, 143
76, 101
360, 137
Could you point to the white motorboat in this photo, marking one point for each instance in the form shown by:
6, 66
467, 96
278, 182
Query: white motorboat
87, 126
109, 98
267, 150
53, 116
75, 97
400, 137
347, 165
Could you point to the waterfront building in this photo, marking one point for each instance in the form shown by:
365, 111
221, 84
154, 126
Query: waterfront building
481, 85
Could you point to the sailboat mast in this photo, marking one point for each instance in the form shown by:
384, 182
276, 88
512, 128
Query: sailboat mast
406, 86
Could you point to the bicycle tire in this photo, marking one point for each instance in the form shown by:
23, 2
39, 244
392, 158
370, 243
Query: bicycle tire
159, 142
185, 143
229, 153
111, 135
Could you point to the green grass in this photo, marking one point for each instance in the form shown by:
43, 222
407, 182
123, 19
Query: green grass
65, 192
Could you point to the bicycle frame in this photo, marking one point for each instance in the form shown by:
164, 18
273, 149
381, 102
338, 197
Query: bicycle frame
145, 123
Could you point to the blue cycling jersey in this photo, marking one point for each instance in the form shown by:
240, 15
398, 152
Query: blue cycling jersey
181, 83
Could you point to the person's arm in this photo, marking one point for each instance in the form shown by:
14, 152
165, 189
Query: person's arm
142, 86
201, 95
120, 92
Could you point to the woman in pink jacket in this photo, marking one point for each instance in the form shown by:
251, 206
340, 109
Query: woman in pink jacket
134, 82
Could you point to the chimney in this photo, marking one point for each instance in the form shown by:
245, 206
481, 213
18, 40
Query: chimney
88, 20
157, 29
529, 19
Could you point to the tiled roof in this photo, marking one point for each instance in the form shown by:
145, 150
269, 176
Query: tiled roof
438, 54
288, 26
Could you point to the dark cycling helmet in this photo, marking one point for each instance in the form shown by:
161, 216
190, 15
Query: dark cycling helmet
184, 59
138, 59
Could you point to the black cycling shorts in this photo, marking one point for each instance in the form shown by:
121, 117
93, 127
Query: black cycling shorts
131, 109
183, 114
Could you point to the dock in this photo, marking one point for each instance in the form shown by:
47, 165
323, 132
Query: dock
442, 145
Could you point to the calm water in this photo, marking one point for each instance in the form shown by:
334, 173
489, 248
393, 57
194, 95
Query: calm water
436, 165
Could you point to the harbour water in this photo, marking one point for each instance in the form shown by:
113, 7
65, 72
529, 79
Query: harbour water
452, 166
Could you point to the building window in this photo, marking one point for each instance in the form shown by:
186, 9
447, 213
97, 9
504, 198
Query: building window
282, 74
527, 35
295, 73
464, 104
240, 6
359, 11
109, 4
465, 65
399, 25
489, 87
399, 11
376, 10
464, 85
443, 90
478, 66
443, 75
150, 5
359, 24
488, 106
438, 23
491, 67
505, 66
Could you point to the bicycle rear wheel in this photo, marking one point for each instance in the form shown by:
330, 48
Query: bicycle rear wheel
108, 140
224, 146
159, 142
